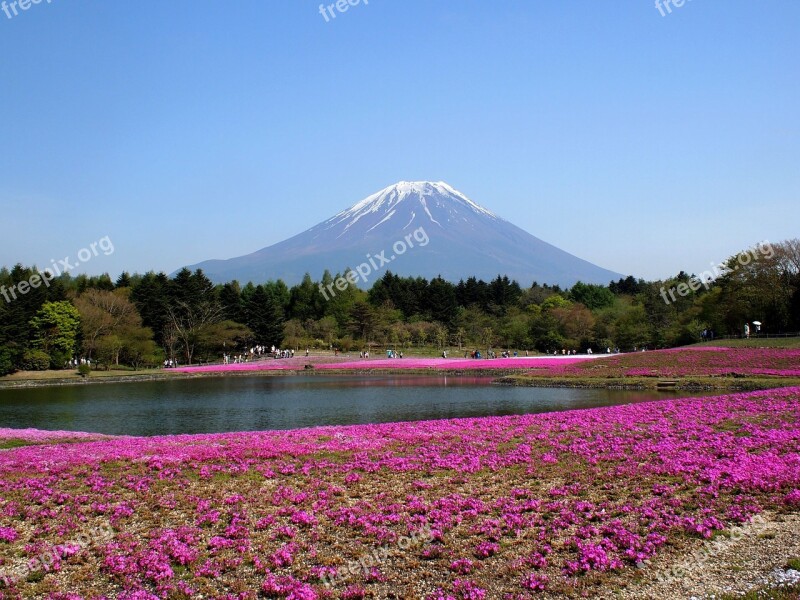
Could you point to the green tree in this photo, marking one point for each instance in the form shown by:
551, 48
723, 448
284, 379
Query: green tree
514, 328
363, 320
6, 361
55, 331
265, 316
218, 338
555, 301
112, 328
591, 296
123, 281
341, 305
152, 299
441, 301
35, 360
230, 297
440, 336
326, 329
305, 301
294, 334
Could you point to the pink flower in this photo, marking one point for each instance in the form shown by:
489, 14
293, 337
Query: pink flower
535, 582
8, 535
462, 566
486, 549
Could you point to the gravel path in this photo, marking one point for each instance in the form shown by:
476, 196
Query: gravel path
753, 556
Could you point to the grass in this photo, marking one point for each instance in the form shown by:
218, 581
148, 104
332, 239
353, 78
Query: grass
651, 383
793, 564
72, 374
12, 443
790, 342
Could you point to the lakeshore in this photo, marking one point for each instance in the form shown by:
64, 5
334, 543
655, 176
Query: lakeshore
739, 366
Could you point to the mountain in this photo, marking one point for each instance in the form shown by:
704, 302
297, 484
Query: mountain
412, 228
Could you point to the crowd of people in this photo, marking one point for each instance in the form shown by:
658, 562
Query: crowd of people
74, 362
256, 353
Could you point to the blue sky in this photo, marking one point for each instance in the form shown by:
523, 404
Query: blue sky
189, 130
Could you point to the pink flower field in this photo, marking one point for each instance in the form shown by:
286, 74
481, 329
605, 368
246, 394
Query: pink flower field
434, 364
553, 505
702, 361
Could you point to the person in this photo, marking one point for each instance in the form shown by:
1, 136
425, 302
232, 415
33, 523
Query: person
444, 353
747, 330
306, 352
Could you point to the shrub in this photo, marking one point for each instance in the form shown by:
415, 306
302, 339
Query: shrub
84, 370
59, 358
35, 360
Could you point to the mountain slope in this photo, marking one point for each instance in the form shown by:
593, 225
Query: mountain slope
451, 236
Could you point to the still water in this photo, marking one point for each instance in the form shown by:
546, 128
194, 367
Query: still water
222, 404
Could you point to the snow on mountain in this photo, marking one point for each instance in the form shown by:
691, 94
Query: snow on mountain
423, 197
466, 239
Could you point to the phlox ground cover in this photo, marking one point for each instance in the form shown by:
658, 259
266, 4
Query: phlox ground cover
433, 364
547, 505
702, 361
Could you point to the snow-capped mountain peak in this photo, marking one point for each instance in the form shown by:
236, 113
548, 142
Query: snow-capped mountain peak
415, 202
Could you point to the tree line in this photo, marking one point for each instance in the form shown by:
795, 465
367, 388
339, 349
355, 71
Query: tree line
141, 320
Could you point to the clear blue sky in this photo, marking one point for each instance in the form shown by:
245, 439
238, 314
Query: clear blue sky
188, 130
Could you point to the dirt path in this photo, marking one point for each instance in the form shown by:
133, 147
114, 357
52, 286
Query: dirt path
753, 556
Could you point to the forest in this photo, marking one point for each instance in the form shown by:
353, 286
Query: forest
141, 320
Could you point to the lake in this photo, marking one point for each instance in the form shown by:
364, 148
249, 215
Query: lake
253, 403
